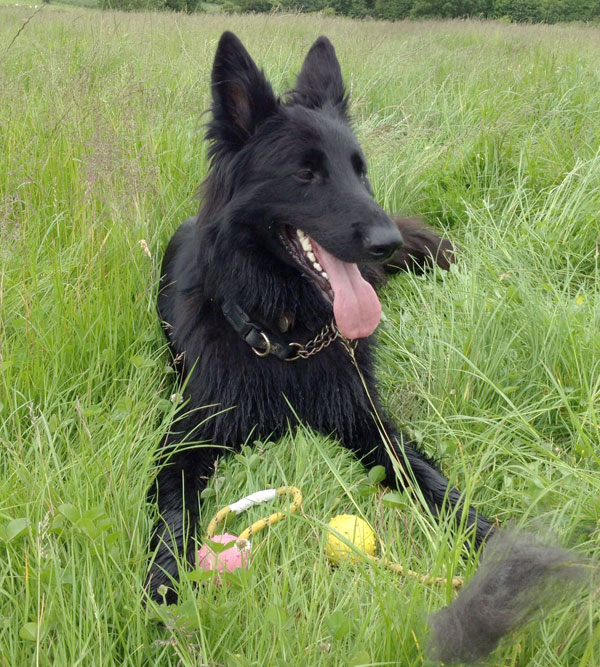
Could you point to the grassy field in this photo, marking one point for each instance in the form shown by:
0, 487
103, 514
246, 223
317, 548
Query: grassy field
490, 132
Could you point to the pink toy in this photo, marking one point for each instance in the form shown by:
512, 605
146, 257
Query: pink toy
226, 561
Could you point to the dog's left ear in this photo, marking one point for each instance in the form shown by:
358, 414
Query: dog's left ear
242, 96
320, 80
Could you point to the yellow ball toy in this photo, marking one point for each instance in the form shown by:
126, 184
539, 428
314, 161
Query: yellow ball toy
355, 530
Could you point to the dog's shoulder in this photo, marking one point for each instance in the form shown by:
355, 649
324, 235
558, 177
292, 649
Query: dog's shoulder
180, 277
182, 237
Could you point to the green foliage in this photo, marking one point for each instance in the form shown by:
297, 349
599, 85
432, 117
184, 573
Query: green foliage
556, 11
255, 5
300, 5
132, 5
230, 8
450, 9
188, 6
547, 11
392, 9
518, 11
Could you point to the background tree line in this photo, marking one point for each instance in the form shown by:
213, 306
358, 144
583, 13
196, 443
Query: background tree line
533, 11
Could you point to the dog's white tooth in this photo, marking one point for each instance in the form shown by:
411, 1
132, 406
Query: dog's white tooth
301, 234
318, 266
324, 274
311, 256
306, 245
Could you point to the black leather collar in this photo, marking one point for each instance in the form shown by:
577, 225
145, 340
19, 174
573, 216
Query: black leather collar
265, 342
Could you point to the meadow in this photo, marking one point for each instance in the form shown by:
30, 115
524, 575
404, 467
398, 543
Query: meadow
491, 133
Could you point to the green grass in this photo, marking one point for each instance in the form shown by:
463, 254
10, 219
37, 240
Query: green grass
489, 131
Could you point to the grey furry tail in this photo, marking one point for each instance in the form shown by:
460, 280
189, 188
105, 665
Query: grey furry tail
518, 576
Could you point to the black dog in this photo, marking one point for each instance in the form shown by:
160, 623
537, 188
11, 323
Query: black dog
263, 290
273, 256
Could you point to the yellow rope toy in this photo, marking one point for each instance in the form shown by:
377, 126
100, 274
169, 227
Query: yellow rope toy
255, 499
346, 534
231, 559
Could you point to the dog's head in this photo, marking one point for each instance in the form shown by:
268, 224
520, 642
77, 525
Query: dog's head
293, 171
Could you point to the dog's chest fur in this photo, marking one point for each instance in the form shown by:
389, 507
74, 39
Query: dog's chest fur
241, 395
235, 394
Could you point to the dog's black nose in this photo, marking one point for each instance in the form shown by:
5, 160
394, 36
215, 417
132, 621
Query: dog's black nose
382, 242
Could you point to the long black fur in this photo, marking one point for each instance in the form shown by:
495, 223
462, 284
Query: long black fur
275, 164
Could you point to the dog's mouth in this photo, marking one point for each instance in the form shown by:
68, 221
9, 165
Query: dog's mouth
356, 308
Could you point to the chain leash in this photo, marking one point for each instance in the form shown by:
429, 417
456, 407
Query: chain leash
323, 339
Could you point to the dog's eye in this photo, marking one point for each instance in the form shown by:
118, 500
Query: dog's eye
306, 175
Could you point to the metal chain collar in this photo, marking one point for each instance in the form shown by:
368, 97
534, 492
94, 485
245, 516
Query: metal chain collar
305, 350
264, 343
323, 339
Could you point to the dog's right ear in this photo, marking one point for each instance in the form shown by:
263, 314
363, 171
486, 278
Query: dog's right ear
242, 97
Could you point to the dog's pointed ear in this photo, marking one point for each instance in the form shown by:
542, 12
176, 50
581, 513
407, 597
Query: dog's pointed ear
320, 80
242, 96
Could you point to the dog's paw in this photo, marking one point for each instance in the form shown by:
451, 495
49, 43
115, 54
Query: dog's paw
422, 247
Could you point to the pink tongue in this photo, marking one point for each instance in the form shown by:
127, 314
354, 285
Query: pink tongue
356, 308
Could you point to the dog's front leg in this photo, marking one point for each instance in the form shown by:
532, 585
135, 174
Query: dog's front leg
177, 492
405, 465
422, 247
